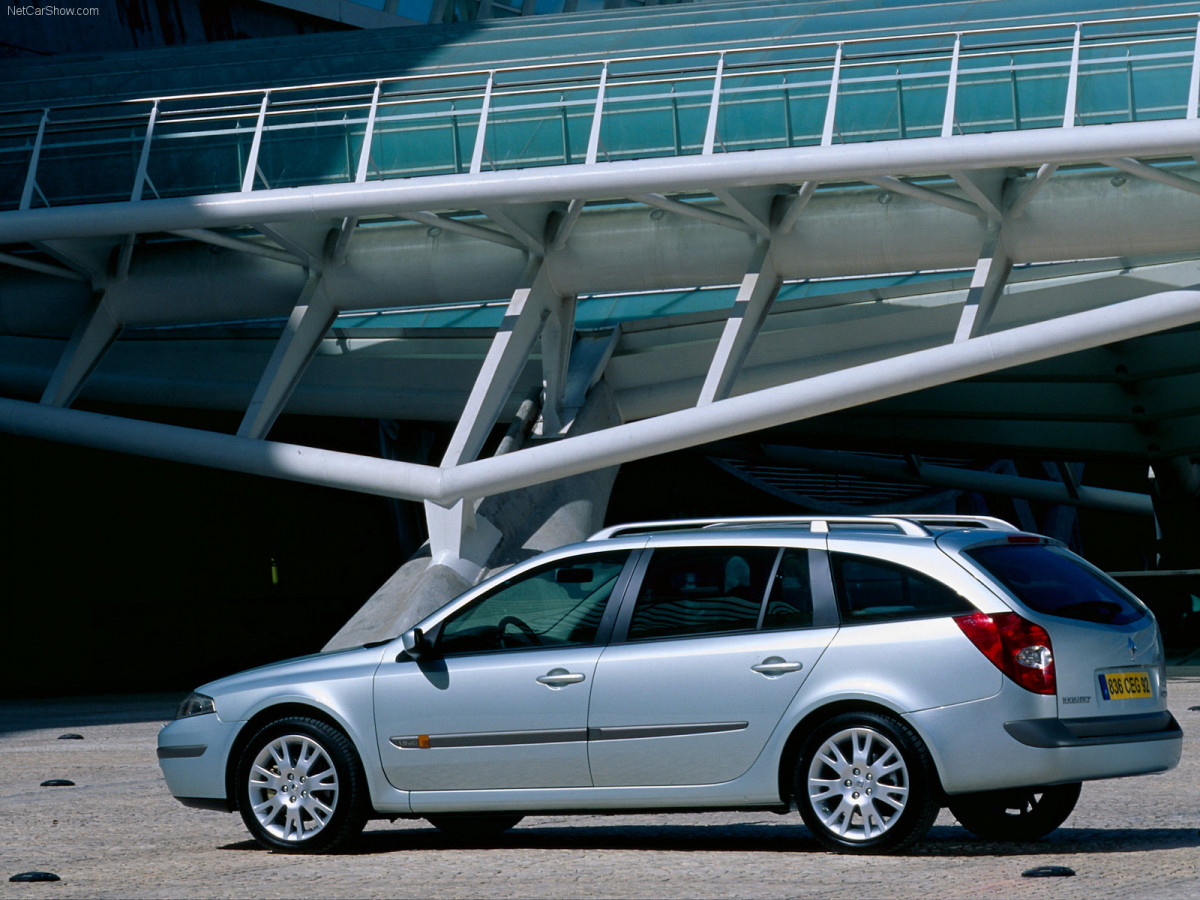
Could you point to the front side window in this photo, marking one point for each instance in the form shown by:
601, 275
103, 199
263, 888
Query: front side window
701, 590
557, 605
1054, 581
872, 590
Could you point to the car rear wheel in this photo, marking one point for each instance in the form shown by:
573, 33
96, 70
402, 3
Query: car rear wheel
865, 784
472, 827
301, 787
1023, 814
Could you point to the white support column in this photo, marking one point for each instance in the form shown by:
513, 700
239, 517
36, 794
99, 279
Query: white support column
1194, 83
530, 306
952, 90
593, 147
252, 159
306, 327
754, 298
558, 339
1073, 82
457, 537
988, 280
714, 107
31, 174
93, 336
481, 133
831, 106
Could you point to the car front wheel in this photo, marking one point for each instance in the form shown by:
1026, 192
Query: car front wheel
301, 787
865, 784
1022, 814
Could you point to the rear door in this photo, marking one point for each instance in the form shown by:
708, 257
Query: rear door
707, 658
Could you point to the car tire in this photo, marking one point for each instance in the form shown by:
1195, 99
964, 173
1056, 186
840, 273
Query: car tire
865, 783
1024, 814
473, 827
301, 787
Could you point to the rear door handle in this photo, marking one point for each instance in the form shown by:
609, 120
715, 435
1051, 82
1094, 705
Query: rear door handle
776, 665
560, 678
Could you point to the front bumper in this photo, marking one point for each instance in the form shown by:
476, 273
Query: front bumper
192, 754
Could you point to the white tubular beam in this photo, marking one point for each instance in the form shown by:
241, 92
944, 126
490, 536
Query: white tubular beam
1017, 209
307, 325
233, 243
91, 339
675, 431
792, 214
694, 211
528, 310
890, 183
291, 462
754, 299
991, 273
475, 231
627, 178
33, 265
1150, 173
742, 209
826, 393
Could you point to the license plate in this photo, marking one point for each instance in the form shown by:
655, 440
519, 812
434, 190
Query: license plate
1125, 685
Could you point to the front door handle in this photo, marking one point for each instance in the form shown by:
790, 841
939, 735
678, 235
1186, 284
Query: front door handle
776, 665
560, 678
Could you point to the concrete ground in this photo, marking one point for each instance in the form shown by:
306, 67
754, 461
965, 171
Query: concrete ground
118, 833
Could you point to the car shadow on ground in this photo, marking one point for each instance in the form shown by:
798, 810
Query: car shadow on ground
754, 838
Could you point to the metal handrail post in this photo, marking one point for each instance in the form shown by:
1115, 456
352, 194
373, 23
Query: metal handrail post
477, 155
594, 136
952, 90
831, 107
252, 160
1072, 82
1194, 86
27, 193
710, 131
365, 154
139, 181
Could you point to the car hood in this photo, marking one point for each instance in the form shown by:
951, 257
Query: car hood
302, 678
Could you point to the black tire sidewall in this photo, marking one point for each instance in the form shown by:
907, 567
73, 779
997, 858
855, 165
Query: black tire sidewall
920, 810
984, 814
349, 813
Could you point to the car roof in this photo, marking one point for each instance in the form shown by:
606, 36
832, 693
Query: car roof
915, 526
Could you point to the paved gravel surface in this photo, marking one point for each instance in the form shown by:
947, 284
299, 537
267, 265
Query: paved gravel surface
118, 833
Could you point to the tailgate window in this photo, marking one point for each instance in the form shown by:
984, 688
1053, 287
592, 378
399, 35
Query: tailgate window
1054, 581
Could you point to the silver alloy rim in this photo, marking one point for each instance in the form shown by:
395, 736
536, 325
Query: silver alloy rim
293, 788
858, 784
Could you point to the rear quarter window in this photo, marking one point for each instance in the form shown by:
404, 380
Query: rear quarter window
874, 590
1054, 581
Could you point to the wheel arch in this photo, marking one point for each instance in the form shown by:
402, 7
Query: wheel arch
261, 719
815, 718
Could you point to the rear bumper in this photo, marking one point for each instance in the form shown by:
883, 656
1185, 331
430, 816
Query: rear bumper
1095, 732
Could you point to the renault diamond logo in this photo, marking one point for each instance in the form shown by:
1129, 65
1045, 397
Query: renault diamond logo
1132, 649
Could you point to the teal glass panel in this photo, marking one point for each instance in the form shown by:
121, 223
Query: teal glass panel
655, 118
414, 137
313, 137
200, 151
539, 128
17, 135
1134, 82
81, 164
892, 100
755, 113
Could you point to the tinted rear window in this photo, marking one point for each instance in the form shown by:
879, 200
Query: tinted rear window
1050, 580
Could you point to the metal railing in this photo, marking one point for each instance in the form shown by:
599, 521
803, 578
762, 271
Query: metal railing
675, 104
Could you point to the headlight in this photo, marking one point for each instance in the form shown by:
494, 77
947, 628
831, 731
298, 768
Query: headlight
195, 705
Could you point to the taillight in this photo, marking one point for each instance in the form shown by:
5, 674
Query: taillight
1017, 647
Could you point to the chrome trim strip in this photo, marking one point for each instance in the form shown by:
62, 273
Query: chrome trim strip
491, 739
559, 736
630, 732
184, 751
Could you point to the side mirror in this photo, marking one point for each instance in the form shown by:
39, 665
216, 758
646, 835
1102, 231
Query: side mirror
415, 643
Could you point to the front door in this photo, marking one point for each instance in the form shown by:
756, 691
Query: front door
501, 698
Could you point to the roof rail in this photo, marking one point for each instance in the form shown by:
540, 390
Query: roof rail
817, 524
915, 525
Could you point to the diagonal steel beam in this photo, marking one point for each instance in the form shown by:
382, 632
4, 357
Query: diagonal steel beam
306, 327
754, 298
91, 340
467, 228
987, 281
891, 183
1150, 173
694, 211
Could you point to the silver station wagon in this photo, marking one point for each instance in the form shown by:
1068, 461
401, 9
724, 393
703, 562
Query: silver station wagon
868, 671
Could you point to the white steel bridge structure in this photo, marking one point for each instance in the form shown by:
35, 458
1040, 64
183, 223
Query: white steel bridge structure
980, 233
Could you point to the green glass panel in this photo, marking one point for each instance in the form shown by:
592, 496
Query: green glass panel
657, 119
538, 129
423, 138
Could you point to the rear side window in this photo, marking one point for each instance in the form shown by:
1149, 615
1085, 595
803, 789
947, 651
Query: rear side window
871, 590
1053, 581
701, 590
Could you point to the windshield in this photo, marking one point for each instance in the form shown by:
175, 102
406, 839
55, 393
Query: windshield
1056, 582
